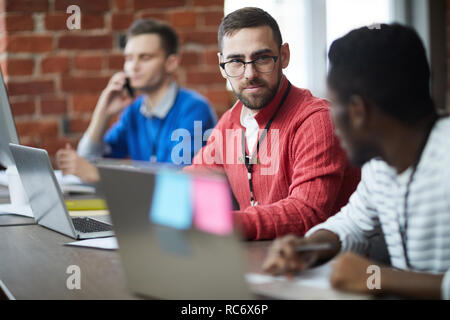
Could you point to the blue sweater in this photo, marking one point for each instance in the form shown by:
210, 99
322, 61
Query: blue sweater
137, 136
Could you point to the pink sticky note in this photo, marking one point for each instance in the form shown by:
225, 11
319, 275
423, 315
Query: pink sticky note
212, 206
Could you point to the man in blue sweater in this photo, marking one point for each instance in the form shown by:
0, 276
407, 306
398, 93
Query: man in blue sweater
150, 126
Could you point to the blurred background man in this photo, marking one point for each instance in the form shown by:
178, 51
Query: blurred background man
144, 129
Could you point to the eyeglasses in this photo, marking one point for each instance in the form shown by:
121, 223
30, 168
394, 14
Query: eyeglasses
236, 67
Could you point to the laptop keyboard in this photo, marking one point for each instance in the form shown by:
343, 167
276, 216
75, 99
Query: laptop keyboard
86, 225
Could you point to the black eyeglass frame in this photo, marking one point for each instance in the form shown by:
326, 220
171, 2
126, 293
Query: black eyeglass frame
222, 65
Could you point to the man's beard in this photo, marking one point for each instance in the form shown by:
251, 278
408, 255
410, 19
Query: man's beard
363, 154
258, 102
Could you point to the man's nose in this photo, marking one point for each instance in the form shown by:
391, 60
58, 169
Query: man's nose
250, 71
134, 64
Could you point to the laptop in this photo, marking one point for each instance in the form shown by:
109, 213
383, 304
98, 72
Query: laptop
46, 198
164, 262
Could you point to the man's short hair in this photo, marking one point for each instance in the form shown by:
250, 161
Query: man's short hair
387, 66
168, 36
248, 17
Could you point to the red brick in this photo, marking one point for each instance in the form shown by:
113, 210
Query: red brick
26, 5
89, 62
78, 125
30, 87
37, 128
55, 64
18, 22
121, 21
21, 108
53, 106
33, 43
84, 84
208, 3
84, 102
222, 97
55, 21
85, 42
18, 67
123, 5
189, 59
199, 37
52, 144
152, 15
213, 18
85, 5
115, 62
92, 21
58, 21
152, 4
183, 19
202, 77
3, 42
210, 57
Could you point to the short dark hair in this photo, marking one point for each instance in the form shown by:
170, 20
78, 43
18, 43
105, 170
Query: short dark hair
248, 17
386, 65
168, 36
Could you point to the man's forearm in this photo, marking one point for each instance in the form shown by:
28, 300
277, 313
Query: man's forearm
411, 284
97, 126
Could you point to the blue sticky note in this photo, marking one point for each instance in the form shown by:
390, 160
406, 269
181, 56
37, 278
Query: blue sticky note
171, 204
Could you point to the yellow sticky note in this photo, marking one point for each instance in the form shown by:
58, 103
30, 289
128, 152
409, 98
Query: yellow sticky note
86, 204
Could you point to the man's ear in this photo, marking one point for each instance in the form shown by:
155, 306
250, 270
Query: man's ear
172, 63
358, 112
219, 55
285, 55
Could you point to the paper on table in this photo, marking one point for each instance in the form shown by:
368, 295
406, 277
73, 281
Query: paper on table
171, 204
316, 278
68, 183
212, 206
109, 243
88, 213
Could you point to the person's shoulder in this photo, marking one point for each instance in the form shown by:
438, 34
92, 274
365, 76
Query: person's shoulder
306, 101
191, 97
307, 107
439, 150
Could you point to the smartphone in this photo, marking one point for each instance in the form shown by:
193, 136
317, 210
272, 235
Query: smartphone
128, 88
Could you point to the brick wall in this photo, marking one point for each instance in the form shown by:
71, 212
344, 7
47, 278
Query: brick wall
55, 75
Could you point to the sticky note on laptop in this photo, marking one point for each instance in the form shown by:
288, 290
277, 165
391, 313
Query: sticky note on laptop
212, 206
171, 204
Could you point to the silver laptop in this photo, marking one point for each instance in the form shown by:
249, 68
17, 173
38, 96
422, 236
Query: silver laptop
164, 262
46, 199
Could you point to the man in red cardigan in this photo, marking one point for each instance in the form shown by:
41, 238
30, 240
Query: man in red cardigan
276, 145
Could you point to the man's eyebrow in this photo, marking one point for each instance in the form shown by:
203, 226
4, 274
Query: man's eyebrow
234, 56
139, 54
262, 51
254, 54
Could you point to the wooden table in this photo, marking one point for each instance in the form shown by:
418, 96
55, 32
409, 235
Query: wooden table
34, 261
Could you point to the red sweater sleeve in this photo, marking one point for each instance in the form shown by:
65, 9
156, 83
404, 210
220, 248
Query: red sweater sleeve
318, 163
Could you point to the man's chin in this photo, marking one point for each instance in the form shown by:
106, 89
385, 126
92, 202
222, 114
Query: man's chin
254, 103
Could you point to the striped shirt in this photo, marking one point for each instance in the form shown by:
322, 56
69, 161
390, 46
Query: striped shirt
379, 202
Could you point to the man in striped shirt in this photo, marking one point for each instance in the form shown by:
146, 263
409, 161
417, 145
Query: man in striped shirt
385, 117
